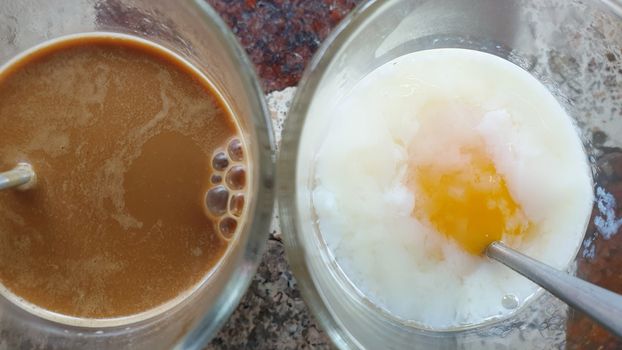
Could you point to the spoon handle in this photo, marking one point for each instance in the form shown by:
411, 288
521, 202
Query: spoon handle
21, 177
603, 306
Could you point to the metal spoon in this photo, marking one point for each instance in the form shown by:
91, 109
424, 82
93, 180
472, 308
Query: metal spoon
603, 306
21, 177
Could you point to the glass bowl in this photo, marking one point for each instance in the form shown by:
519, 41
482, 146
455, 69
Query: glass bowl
194, 31
573, 47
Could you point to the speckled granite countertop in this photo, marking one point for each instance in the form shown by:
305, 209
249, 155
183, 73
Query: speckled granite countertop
280, 37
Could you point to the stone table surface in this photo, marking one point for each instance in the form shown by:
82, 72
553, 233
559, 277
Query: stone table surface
280, 37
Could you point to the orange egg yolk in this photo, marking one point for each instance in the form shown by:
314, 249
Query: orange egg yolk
470, 203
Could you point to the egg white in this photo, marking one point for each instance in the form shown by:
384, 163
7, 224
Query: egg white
364, 206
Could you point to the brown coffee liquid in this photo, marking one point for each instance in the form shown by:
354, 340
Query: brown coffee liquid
122, 135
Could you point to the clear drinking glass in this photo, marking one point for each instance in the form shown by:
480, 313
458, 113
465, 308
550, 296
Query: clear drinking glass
193, 30
574, 47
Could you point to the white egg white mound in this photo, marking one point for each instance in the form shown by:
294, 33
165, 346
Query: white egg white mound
364, 204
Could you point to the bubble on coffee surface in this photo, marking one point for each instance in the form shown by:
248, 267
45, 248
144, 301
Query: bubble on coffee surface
236, 177
235, 150
216, 200
216, 179
220, 161
224, 199
236, 204
227, 226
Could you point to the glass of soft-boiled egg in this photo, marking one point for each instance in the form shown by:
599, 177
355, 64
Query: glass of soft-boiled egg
425, 130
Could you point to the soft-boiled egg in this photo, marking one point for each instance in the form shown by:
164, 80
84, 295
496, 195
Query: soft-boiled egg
431, 157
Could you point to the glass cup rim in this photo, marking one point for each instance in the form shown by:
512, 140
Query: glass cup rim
287, 166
